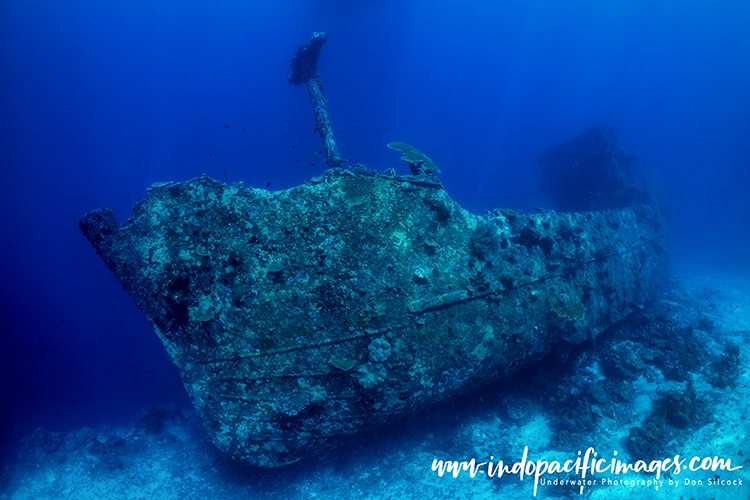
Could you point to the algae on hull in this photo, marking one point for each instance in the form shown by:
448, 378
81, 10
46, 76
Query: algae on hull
277, 306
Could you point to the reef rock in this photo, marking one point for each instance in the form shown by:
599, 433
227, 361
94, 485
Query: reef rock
299, 317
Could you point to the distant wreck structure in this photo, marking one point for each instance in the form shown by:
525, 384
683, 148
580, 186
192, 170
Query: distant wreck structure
592, 171
298, 318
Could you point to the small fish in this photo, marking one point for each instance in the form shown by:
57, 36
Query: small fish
227, 126
294, 146
225, 176
268, 185
297, 160
316, 155
311, 163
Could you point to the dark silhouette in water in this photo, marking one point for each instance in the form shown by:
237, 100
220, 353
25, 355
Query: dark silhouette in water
591, 171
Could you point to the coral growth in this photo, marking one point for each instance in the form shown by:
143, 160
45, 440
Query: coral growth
371, 374
379, 349
418, 162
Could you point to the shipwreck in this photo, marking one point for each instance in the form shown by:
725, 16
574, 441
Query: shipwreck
300, 317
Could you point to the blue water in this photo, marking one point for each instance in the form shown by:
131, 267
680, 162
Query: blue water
100, 99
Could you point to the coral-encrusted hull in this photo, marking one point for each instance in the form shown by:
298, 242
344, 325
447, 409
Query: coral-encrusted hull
299, 317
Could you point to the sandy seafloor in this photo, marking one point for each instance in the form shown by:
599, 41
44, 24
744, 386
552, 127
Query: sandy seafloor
165, 453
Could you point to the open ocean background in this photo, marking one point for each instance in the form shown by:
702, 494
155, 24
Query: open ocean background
98, 100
